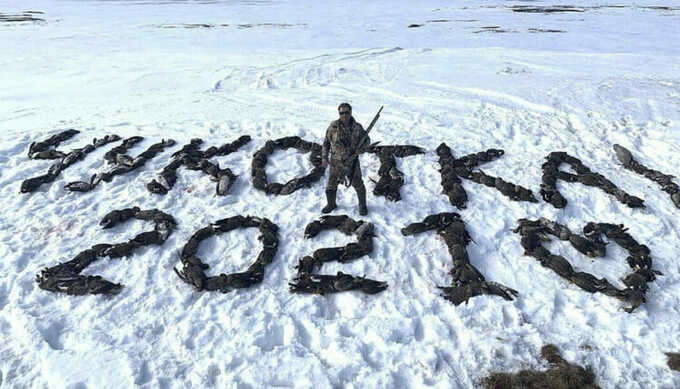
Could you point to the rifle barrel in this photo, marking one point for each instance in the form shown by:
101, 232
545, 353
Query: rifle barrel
349, 172
375, 119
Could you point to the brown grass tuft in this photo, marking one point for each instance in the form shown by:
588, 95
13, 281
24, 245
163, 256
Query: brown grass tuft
560, 375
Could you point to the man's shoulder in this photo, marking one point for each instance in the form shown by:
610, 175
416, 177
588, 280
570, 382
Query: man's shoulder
358, 126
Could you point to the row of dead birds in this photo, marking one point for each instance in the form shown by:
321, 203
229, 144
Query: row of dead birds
122, 163
46, 150
307, 279
535, 232
467, 281
453, 170
552, 173
117, 156
260, 162
391, 179
66, 278
663, 180
193, 268
193, 158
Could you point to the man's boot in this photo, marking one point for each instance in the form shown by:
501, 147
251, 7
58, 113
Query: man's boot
330, 199
363, 211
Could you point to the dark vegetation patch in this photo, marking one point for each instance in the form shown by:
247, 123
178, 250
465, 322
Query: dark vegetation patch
239, 26
560, 375
496, 29
188, 25
172, 2
26, 16
661, 8
571, 8
429, 21
546, 9
544, 30
674, 361
275, 25
562, 8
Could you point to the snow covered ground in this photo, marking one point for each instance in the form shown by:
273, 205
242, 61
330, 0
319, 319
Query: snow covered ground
474, 74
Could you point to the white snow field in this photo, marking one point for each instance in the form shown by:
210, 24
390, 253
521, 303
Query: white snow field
475, 74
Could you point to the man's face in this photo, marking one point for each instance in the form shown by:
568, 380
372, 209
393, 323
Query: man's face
345, 114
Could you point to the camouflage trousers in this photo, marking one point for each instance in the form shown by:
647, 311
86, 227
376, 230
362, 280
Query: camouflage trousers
336, 177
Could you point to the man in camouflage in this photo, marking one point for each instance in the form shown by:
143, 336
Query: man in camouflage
342, 138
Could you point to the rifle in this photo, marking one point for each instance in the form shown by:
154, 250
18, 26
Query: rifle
349, 173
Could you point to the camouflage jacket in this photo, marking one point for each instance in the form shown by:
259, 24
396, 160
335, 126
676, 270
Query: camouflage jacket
341, 141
